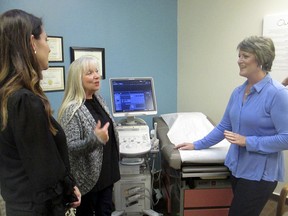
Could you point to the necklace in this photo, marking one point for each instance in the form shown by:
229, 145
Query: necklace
247, 91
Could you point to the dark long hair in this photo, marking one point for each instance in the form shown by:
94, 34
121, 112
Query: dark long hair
19, 67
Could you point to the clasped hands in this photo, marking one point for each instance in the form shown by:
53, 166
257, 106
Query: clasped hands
231, 137
102, 133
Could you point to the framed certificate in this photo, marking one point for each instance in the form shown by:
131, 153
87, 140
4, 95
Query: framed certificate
56, 47
98, 53
53, 79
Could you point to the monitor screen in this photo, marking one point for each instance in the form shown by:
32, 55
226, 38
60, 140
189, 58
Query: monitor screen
133, 96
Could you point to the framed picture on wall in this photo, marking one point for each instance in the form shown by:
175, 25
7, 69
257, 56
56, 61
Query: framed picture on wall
53, 79
99, 53
56, 47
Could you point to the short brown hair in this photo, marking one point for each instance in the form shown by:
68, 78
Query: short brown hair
263, 49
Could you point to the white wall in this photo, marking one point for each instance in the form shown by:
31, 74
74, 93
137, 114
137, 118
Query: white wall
208, 34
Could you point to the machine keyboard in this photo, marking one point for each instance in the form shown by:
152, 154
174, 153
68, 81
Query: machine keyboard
134, 140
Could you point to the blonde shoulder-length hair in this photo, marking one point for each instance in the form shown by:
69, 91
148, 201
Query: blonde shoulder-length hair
74, 91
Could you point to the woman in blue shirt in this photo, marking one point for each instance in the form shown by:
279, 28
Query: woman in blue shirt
255, 123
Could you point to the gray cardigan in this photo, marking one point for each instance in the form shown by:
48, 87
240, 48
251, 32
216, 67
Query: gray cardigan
85, 149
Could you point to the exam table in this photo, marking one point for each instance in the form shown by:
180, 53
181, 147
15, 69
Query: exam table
192, 187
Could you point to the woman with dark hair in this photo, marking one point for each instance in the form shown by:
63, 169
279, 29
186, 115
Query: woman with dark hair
255, 123
34, 166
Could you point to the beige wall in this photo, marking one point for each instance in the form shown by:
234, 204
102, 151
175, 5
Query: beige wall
208, 34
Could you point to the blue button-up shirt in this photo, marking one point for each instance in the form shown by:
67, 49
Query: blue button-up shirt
263, 119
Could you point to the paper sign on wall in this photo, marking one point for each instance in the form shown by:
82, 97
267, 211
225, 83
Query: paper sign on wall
276, 27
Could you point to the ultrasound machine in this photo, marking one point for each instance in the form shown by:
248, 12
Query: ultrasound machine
131, 98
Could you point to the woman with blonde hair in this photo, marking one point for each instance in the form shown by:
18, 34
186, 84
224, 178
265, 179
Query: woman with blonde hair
92, 140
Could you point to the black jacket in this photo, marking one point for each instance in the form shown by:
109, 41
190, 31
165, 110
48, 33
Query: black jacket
34, 164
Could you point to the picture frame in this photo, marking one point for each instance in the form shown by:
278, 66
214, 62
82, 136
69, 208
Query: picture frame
53, 79
56, 46
99, 53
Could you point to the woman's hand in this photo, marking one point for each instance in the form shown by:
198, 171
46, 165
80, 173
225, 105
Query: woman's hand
185, 146
102, 133
78, 195
235, 138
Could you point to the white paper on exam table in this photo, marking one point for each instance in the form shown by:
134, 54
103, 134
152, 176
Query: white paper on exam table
192, 126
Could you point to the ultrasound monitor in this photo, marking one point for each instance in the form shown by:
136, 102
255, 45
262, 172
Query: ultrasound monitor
133, 96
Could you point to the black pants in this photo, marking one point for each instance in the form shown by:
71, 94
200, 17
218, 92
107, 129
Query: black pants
53, 207
250, 197
96, 203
